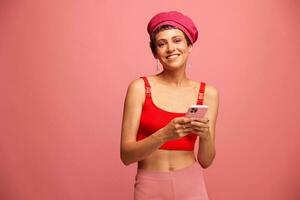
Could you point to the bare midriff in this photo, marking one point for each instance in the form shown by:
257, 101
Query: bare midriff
167, 160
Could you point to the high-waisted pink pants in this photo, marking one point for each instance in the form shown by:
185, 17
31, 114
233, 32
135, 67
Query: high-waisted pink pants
182, 184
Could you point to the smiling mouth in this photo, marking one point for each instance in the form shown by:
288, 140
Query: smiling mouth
172, 56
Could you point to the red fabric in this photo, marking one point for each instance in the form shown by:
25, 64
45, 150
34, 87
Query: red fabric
154, 118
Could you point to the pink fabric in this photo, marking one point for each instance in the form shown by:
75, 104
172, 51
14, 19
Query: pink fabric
177, 19
182, 184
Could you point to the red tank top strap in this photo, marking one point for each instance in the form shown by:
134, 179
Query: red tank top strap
201, 93
147, 86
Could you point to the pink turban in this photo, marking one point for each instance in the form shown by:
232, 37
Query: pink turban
177, 19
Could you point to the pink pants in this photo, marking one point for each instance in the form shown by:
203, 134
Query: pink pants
182, 184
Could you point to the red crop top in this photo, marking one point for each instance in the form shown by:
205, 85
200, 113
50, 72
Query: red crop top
154, 118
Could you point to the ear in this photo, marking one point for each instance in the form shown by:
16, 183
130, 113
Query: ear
190, 48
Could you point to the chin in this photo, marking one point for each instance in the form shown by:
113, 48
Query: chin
174, 66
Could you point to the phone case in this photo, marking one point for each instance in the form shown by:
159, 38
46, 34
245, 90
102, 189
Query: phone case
197, 111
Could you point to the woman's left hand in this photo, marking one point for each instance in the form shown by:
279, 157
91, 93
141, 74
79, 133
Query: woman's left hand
200, 127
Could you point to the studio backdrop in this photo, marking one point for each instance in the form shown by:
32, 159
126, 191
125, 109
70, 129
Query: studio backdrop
64, 71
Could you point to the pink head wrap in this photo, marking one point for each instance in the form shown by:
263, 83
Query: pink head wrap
174, 18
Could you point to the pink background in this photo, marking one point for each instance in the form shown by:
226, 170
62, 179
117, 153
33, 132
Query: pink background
65, 67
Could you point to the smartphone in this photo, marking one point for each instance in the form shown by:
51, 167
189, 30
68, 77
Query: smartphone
196, 111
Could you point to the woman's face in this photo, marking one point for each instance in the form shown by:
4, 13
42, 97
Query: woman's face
172, 49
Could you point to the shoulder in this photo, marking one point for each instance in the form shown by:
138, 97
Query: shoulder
211, 98
136, 89
137, 85
211, 91
211, 95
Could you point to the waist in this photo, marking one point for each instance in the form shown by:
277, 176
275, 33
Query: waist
166, 160
161, 175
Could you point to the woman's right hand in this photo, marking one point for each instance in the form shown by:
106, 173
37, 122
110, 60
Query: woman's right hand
177, 128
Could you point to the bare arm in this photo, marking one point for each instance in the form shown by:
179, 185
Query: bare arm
206, 151
132, 150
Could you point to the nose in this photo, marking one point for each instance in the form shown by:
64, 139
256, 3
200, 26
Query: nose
171, 47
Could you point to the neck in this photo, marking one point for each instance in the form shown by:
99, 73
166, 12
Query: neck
176, 78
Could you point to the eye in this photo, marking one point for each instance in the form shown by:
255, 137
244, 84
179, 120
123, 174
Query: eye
177, 40
160, 44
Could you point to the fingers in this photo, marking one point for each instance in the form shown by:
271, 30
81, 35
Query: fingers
186, 130
203, 120
182, 126
187, 119
186, 125
201, 129
182, 120
200, 126
195, 123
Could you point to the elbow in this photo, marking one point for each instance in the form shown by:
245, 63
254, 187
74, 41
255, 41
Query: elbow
125, 163
128, 155
125, 159
206, 163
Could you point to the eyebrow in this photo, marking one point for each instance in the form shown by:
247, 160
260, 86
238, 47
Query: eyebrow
175, 36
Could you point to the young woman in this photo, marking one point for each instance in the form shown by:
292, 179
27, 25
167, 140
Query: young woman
155, 131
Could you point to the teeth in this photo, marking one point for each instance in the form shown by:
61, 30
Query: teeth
172, 56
